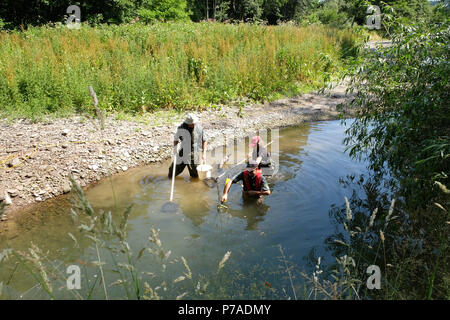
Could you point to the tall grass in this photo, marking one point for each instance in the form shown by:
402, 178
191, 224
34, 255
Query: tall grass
138, 68
122, 270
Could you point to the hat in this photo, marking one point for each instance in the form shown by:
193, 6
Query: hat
191, 119
251, 165
255, 140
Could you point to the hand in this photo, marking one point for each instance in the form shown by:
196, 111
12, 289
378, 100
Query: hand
224, 198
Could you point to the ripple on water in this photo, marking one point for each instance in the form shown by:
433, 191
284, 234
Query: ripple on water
295, 215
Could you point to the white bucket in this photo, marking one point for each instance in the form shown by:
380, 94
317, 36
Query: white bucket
204, 171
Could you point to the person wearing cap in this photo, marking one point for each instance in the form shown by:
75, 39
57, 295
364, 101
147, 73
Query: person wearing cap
254, 183
190, 134
259, 153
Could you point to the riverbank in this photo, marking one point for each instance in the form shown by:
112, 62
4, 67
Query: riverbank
37, 158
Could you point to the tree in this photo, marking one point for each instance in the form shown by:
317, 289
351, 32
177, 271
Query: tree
222, 11
295, 9
163, 10
272, 10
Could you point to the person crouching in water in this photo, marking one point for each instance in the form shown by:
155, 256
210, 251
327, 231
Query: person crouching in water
190, 133
255, 184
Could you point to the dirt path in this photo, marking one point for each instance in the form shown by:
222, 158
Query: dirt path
36, 158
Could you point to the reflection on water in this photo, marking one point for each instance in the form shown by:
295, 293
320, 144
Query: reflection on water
295, 215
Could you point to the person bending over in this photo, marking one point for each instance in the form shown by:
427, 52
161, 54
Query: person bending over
255, 184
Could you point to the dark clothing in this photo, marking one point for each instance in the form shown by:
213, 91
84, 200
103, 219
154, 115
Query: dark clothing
196, 133
180, 167
262, 152
252, 178
191, 159
196, 137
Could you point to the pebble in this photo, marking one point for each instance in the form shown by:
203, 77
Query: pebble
93, 167
12, 192
7, 200
14, 163
66, 188
116, 142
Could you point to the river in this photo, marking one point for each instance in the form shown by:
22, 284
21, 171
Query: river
264, 239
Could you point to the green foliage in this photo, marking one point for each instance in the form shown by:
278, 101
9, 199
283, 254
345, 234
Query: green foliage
19, 13
136, 67
403, 116
251, 10
440, 12
163, 10
410, 246
272, 10
222, 11
330, 14
342, 13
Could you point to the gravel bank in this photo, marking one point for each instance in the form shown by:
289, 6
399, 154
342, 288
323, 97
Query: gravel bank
36, 158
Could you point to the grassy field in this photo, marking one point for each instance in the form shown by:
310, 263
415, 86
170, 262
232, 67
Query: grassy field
137, 68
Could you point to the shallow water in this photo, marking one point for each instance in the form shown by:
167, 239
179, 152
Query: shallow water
295, 216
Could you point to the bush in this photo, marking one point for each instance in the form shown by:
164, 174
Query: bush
403, 116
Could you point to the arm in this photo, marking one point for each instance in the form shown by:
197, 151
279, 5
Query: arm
259, 193
226, 189
265, 190
204, 145
228, 184
176, 140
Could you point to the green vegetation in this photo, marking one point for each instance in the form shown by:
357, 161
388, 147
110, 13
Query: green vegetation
115, 267
19, 14
137, 64
138, 68
401, 101
410, 246
402, 127
403, 116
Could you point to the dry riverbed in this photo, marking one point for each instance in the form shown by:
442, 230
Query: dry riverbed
37, 158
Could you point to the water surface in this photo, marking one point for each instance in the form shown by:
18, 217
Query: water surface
295, 216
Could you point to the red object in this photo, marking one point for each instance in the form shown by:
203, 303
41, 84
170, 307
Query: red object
255, 140
268, 284
257, 173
